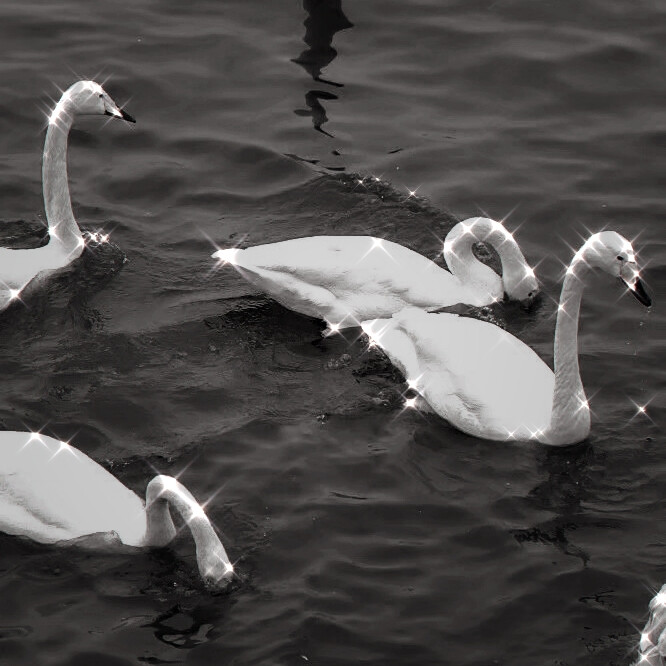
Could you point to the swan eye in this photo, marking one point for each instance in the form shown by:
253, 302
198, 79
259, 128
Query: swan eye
620, 257
101, 95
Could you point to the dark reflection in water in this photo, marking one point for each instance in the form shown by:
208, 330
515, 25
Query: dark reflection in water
185, 629
317, 110
562, 491
325, 18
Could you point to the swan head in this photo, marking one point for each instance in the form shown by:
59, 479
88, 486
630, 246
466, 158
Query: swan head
215, 569
614, 254
520, 283
87, 98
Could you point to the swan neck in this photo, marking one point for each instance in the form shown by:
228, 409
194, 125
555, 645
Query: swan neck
63, 228
160, 529
465, 266
570, 412
165, 492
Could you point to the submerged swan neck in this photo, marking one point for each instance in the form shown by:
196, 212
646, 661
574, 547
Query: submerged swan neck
63, 229
164, 492
570, 419
467, 268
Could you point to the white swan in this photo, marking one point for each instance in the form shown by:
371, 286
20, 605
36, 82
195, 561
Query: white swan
652, 646
53, 493
20, 267
488, 383
346, 279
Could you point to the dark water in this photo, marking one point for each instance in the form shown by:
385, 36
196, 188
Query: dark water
366, 535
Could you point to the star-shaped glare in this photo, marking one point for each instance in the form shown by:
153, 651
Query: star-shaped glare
641, 409
59, 110
374, 337
414, 383
583, 404
172, 484
225, 255
64, 447
98, 237
377, 244
34, 437
12, 293
195, 510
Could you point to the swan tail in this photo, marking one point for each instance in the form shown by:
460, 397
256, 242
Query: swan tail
228, 256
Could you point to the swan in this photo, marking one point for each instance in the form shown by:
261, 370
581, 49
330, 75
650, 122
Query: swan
488, 383
346, 279
18, 268
54, 494
652, 646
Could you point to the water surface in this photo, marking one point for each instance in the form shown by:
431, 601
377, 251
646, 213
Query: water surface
365, 534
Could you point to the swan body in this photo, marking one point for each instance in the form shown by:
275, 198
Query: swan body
652, 646
18, 268
53, 493
346, 279
488, 383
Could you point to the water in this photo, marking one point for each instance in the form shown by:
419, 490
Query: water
365, 534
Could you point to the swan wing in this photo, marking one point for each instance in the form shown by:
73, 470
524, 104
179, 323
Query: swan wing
50, 491
359, 276
396, 344
476, 375
18, 267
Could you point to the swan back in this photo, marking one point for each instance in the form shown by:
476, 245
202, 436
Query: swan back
347, 278
50, 491
341, 263
476, 375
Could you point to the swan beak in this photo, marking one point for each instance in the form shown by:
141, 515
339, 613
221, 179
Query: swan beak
631, 277
638, 290
120, 113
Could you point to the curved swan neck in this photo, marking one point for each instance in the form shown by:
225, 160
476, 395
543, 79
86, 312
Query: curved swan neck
570, 412
463, 263
164, 492
64, 231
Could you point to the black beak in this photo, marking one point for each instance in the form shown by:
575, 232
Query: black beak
123, 114
638, 290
